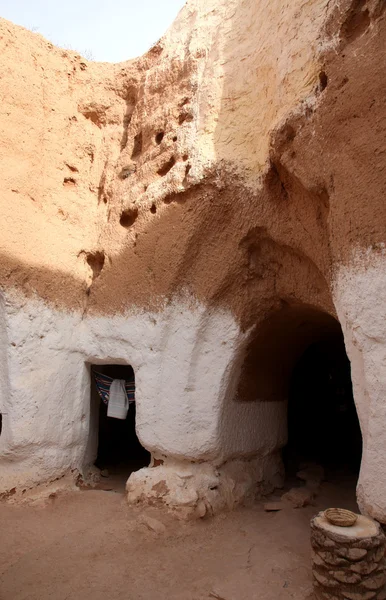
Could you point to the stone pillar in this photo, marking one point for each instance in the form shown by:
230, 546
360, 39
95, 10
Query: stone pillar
348, 562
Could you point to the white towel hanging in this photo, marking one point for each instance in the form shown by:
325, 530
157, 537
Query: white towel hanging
118, 400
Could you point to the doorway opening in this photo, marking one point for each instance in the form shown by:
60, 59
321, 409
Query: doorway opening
323, 425
297, 359
119, 451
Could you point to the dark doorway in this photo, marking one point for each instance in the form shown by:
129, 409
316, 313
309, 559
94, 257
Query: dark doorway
323, 425
119, 449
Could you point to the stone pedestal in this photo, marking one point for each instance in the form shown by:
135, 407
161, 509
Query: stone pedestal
348, 562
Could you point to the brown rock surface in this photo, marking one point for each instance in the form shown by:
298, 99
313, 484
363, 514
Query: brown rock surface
104, 163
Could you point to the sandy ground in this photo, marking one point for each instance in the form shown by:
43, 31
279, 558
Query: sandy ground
90, 545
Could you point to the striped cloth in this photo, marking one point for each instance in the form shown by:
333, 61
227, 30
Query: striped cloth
103, 383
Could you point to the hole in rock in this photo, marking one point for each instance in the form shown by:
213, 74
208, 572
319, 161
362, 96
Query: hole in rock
357, 21
72, 168
323, 80
69, 181
137, 148
185, 116
128, 217
159, 137
130, 105
175, 138
289, 133
96, 261
94, 116
185, 180
117, 448
162, 171
153, 209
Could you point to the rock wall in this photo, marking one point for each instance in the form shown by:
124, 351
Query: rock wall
173, 213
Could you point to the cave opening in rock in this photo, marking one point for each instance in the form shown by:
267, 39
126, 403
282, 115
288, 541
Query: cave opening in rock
323, 426
297, 370
119, 451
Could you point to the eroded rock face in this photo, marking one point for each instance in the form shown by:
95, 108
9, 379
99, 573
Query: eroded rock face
178, 211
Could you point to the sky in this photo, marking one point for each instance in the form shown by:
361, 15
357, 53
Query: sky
102, 30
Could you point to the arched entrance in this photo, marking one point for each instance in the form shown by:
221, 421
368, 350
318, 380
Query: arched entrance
323, 426
297, 358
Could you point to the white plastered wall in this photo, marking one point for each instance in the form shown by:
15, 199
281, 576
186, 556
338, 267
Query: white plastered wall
359, 295
187, 361
182, 358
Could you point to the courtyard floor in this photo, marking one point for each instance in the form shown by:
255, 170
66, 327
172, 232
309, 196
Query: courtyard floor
91, 545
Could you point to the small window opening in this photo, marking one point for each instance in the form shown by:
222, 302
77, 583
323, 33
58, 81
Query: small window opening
119, 451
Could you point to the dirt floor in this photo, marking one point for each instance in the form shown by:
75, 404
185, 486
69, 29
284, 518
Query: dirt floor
91, 545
